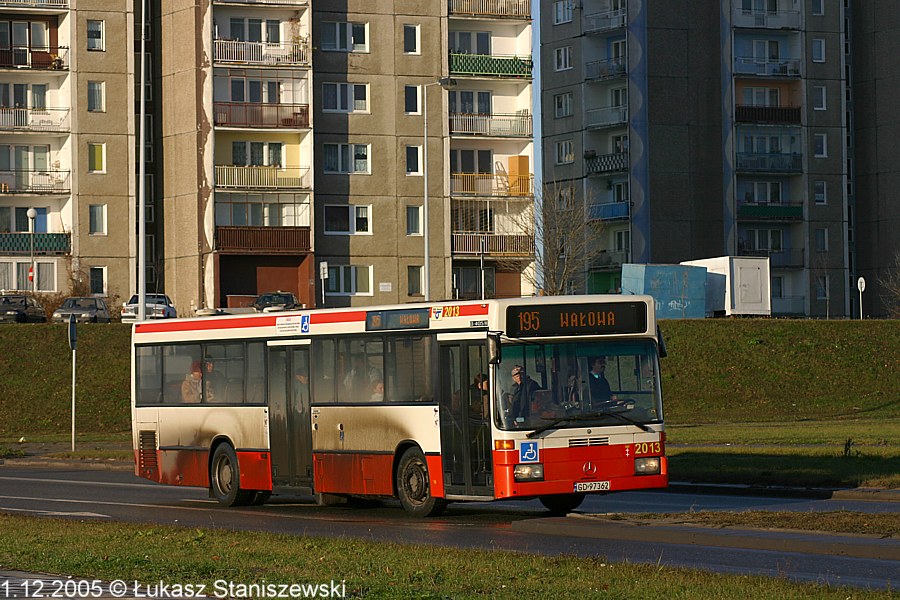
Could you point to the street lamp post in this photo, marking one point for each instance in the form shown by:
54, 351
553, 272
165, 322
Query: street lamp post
446, 83
31, 216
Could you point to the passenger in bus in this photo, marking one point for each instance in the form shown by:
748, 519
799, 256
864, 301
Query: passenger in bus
377, 391
521, 394
361, 378
214, 383
478, 397
600, 390
191, 386
300, 388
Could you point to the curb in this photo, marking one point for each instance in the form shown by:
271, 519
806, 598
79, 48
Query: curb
866, 494
61, 463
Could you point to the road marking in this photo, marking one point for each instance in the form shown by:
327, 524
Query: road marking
80, 482
53, 513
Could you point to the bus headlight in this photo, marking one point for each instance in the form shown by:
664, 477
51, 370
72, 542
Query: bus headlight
529, 472
646, 466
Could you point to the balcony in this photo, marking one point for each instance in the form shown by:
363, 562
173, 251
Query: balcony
769, 163
605, 163
601, 70
791, 258
510, 9
261, 53
483, 65
605, 21
784, 115
64, 4
492, 244
771, 212
24, 57
262, 116
490, 185
611, 211
290, 3
262, 240
45, 244
37, 120
496, 125
773, 67
611, 259
263, 178
767, 19
600, 118
29, 181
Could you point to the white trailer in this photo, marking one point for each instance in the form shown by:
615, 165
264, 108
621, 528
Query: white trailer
736, 285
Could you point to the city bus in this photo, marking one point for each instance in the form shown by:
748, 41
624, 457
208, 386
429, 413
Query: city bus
550, 398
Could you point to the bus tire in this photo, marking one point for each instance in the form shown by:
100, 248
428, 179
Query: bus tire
225, 477
563, 503
413, 486
259, 497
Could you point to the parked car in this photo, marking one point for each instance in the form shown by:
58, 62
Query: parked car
274, 301
158, 306
21, 308
86, 310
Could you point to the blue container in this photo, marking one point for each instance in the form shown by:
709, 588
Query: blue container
679, 290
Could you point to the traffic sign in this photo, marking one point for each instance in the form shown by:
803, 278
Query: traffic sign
861, 284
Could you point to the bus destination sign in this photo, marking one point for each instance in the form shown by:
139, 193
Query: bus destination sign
574, 319
413, 318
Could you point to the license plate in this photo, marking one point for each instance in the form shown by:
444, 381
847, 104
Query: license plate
591, 486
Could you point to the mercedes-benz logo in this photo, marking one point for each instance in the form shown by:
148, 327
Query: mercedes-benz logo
589, 468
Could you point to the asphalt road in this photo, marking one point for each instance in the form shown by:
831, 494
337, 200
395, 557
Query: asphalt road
520, 526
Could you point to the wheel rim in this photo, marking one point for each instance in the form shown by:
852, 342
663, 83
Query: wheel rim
224, 475
415, 482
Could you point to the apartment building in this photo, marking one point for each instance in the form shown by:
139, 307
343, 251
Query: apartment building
66, 146
723, 130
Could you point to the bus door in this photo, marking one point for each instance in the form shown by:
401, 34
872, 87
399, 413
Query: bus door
290, 435
465, 420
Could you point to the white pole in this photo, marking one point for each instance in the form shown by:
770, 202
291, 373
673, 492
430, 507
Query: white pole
73, 399
425, 233
860, 306
142, 201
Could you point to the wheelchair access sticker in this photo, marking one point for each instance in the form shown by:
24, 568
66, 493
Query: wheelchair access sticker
528, 452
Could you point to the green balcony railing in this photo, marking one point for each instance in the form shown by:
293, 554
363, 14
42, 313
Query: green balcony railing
19, 243
777, 212
484, 65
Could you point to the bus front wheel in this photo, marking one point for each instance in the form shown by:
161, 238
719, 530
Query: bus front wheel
563, 503
225, 477
413, 486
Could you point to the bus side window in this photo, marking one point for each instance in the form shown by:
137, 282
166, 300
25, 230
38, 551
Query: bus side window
149, 375
324, 371
256, 376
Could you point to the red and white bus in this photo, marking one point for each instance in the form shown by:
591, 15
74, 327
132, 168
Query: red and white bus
549, 398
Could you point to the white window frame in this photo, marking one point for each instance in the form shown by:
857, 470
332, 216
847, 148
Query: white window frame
562, 105
821, 242
414, 274
347, 45
562, 11
818, 7
418, 31
820, 145
417, 232
102, 270
821, 290
351, 219
101, 92
348, 94
565, 152
823, 194
100, 44
102, 146
819, 97
418, 92
337, 286
102, 214
818, 50
563, 58
418, 166
348, 169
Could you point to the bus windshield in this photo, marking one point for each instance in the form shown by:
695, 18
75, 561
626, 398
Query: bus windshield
574, 384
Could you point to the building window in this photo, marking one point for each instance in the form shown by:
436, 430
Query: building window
820, 191
97, 219
411, 99
821, 240
345, 37
96, 96
414, 160
763, 192
764, 239
96, 158
257, 154
411, 39
818, 7
565, 199
98, 280
818, 50
822, 287
95, 35
562, 105
349, 280
413, 220
562, 12
818, 97
622, 240
345, 97
262, 210
346, 158
414, 280
820, 145
347, 219
777, 286
565, 152
563, 58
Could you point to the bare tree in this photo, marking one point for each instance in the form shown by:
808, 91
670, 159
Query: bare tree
890, 287
567, 241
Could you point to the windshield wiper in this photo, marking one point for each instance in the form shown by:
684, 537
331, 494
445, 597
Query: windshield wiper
588, 417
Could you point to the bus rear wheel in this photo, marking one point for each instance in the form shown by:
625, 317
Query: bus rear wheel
413, 486
563, 503
225, 477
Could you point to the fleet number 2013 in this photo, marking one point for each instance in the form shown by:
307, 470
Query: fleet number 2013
647, 448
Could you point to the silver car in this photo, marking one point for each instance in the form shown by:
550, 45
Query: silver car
86, 310
159, 306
